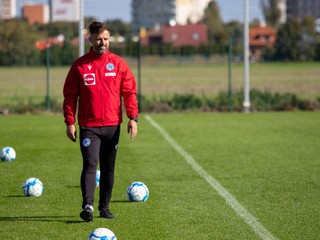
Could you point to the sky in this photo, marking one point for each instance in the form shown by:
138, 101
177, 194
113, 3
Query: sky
121, 9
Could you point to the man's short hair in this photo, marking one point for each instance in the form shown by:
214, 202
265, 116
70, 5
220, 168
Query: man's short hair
98, 27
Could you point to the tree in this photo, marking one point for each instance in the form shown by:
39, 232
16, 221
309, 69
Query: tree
88, 21
317, 52
216, 32
67, 55
309, 38
18, 43
60, 55
271, 12
121, 31
235, 31
297, 40
288, 40
119, 27
68, 29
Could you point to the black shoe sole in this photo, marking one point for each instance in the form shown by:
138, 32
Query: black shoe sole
86, 215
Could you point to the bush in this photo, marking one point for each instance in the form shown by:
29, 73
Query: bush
184, 102
223, 102
32, 106
260, 101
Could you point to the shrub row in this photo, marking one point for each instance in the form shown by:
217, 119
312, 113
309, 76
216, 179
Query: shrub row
23, 106
224, 101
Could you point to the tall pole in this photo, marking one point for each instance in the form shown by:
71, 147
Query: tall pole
139, 71
48, 104
81, 27
246, 87
48, 46
230, 56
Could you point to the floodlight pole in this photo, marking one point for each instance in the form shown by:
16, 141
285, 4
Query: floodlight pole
139, 71
246, 87
48, 46
230, 56
48, 104
81, 27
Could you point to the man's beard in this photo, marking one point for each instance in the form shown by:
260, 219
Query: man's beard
101, 50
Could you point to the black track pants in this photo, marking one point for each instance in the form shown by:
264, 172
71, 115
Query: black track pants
98, 145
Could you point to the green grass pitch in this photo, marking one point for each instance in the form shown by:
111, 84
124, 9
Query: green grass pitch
270, 162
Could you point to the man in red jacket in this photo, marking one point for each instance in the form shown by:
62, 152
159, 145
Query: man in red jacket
95, 86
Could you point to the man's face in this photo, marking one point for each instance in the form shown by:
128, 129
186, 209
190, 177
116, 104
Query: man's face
100, 41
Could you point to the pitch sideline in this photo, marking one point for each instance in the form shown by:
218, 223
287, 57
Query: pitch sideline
229, 198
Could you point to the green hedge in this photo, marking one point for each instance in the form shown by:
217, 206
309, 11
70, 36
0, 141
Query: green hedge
260, 101
223, 102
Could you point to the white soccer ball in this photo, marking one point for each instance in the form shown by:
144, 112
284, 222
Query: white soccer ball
32, 187
102, 234
138, 192
97, 178
8, 154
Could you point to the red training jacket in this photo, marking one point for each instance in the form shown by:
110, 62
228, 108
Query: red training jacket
99, 82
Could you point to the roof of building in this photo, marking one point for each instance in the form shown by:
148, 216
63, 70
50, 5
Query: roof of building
185, 35
262, 36
178, 35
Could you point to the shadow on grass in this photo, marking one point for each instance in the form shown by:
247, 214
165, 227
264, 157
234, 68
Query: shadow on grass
74, 186
16, 196
115, 201
120, 201
40, 219
49, 218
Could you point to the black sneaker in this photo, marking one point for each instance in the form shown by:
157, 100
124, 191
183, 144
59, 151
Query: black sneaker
106, 214
87, 214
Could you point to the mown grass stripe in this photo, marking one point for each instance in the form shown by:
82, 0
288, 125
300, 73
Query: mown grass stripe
229, 198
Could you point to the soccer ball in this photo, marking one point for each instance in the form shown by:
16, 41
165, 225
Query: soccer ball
137, 192
102, 234
8, 154
32, 187
97, 178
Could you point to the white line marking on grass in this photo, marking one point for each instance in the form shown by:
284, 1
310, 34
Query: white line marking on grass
229, 198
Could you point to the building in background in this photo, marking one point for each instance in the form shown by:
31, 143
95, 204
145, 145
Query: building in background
65, 10
152, 13
302, 8
283, 9
259, 39
194, 35
185, 35
36, 13
318, 25
7, 9
190, 11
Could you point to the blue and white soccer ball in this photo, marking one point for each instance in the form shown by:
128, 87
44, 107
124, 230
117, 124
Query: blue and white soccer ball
32, 187
138, 192
8, 154
102, 234
97, 178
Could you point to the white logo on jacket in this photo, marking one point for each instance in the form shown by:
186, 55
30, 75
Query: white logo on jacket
109, 66
110, 74
89, 79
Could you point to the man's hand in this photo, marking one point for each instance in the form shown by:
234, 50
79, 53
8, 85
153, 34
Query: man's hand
132, 128
72, 133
